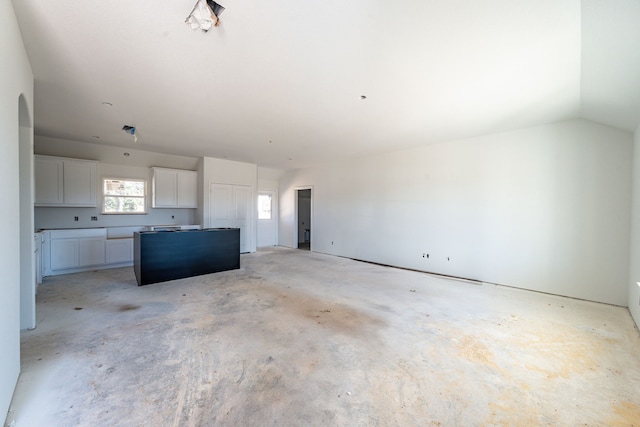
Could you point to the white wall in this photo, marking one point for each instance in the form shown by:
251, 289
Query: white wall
113, 164
269, 178
545, 208
222, 171
17, 79
634, 269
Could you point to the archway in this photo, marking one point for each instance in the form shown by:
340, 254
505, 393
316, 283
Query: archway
27, 258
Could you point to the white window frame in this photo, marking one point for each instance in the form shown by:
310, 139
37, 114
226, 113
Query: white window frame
270, 208
143, 197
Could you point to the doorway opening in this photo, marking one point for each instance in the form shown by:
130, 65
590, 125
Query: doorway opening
303, 218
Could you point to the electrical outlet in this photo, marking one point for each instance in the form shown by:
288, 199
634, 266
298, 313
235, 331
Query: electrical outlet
94, 218
75, 218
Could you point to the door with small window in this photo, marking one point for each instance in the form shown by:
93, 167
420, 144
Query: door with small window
267, 218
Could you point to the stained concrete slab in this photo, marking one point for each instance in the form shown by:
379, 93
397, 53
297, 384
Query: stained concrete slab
300, 338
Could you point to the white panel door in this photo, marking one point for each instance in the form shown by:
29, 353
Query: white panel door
230, 206
242, 208
220, 213
267, 214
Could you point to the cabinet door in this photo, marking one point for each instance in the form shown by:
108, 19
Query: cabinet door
48, 177
165, 188
187, 189
119, 250
64, 253
91, 252
79, 183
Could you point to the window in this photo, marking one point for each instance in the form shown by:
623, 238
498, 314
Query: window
264, 206
124, 196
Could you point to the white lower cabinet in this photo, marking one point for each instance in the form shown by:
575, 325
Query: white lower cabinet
91, 252
83, 249
74, 250
64, 253
119, 251
74, 253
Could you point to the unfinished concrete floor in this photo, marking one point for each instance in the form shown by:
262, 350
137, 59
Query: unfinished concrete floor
296, 338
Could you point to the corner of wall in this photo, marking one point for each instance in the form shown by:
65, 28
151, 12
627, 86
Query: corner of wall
634, 253
16, 84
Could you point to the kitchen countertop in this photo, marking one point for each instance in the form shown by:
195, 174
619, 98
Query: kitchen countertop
119, 232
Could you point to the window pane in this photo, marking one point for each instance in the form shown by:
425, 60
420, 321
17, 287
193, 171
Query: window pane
264, 206
123, 196
115, 187
115, 204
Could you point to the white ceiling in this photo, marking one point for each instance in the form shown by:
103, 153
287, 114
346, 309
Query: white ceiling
283, 79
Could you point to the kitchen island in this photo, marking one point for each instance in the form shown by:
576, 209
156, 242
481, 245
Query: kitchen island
159, 256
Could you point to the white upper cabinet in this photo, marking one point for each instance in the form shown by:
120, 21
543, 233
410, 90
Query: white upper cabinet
174, 188
49, 180
79, 183
165, 188
187, 189
65, 182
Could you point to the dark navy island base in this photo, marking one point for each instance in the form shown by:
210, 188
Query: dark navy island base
159, 256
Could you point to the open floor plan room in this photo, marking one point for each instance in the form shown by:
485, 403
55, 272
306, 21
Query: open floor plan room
418, 213
299, 338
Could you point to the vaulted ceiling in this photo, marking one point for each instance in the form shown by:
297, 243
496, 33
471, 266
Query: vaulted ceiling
281, 83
